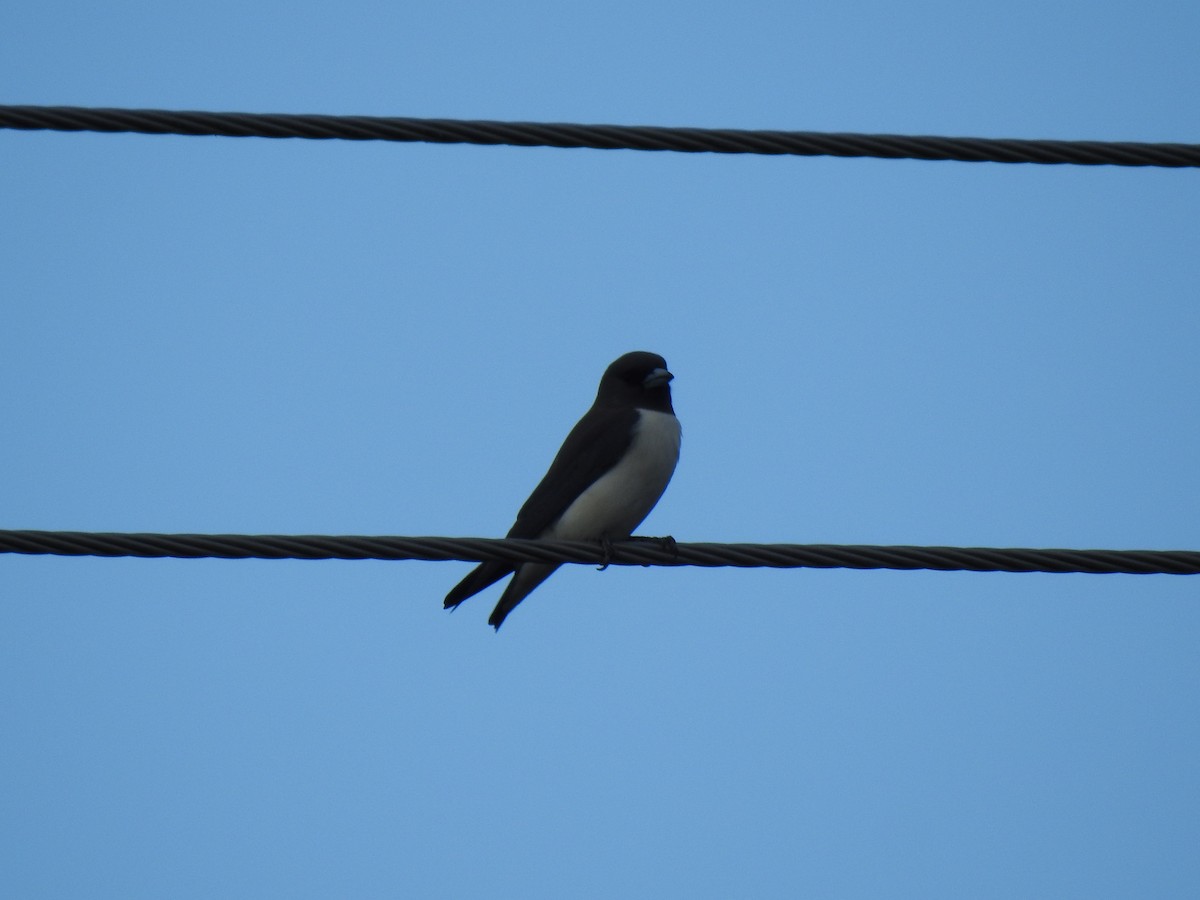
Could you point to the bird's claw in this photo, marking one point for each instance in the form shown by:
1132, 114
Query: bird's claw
606, 550
666, 544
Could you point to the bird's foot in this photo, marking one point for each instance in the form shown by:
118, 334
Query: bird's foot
605, 553
666, 544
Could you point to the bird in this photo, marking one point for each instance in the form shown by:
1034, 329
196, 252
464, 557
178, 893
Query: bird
609, 473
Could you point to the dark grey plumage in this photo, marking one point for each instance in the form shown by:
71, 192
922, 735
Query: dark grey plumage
609, 473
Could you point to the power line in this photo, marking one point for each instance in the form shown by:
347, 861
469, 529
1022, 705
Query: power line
600, 137
636, 552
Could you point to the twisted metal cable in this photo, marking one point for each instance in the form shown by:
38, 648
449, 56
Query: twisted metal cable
600, 137
636, 552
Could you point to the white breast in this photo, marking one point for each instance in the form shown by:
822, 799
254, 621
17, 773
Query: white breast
619, 501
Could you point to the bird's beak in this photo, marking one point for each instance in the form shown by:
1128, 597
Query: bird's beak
657, 378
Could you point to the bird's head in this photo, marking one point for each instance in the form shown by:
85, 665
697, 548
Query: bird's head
639, 379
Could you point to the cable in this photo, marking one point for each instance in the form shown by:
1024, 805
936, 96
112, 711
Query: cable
635, 552
600, 137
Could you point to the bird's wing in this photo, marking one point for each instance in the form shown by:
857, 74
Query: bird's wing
595, 445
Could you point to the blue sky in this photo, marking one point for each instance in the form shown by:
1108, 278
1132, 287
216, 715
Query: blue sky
206, 334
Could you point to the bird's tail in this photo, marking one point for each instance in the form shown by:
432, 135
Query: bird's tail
528, 577
482, 576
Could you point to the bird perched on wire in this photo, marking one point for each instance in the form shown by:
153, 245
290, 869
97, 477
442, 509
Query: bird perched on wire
607, 476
